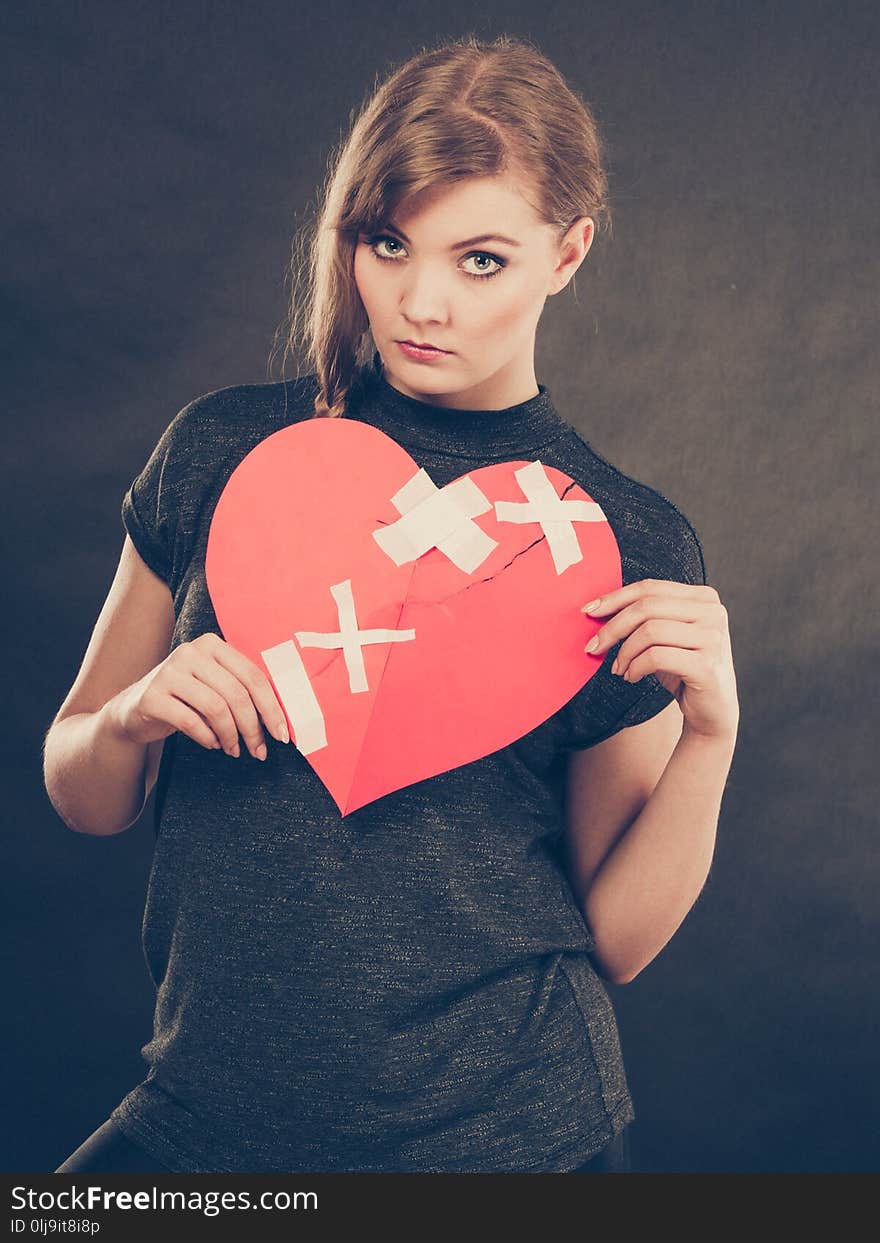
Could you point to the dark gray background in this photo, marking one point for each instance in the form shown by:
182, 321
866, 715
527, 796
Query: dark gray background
721, 348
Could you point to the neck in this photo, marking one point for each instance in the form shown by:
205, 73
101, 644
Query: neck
522, 428
508, 387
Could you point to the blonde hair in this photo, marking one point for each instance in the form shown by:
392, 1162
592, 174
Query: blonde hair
466, 108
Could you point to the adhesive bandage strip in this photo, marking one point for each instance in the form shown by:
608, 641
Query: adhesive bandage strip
295, 691
349, 638
433, 517
555, 516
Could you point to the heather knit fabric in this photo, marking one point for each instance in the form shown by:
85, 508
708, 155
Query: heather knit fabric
408, 987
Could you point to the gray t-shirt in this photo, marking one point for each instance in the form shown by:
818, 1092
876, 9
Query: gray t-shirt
408, 987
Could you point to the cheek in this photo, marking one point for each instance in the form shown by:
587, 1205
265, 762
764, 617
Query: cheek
510, 308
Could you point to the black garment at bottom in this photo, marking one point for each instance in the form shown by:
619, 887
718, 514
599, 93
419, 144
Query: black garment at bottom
108, 1150
614, 1158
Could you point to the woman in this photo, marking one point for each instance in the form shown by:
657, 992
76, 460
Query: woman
417, 985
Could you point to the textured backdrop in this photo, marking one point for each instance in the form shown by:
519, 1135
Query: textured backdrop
721, 346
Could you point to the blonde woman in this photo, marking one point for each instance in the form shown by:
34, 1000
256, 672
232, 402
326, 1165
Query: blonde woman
419, 985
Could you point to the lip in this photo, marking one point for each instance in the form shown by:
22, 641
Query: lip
413, 349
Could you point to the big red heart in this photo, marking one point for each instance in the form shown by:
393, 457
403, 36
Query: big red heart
496, 651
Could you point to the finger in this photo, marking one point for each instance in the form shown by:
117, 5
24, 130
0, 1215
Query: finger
209, 700
238, 702
612, 601
684, 636
649, 605
680, 662
259, 688
187, 721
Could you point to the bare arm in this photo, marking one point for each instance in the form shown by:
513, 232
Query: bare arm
643, 811
644, 804
102, 751
96, 776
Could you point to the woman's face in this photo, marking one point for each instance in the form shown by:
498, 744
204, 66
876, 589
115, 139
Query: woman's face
425, 279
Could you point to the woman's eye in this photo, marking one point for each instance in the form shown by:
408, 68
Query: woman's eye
480, 259
388, 241
382, 240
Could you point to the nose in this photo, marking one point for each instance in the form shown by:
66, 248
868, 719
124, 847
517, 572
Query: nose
422, 298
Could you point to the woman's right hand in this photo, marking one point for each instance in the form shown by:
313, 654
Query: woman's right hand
207, 690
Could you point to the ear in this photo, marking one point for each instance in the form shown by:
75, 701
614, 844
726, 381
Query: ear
572, 252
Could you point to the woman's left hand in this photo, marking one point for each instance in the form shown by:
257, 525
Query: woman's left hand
679, 633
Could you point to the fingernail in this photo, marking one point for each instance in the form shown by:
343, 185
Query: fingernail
283, 735
592, 606
615, 668
261, 751
593, 644
235, 752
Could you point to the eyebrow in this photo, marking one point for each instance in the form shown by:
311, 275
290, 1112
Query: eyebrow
468, 241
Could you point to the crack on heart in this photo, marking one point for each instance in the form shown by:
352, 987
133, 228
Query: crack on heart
480, 581
335, 654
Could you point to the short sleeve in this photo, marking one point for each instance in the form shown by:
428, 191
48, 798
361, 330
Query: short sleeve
152, 507
668, 549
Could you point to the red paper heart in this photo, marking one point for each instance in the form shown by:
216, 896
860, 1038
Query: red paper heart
496, 651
